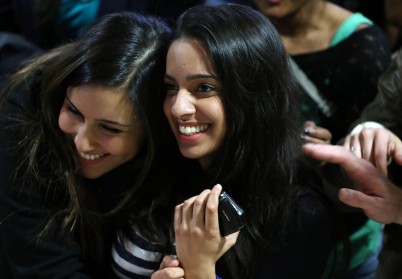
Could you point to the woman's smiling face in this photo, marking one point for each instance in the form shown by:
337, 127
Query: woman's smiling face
103, 127
193, 105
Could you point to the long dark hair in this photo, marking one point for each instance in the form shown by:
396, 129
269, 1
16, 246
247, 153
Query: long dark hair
258, 160
125, 51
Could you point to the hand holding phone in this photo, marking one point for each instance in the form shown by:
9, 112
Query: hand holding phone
230, 215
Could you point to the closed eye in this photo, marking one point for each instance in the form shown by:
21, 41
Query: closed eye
73, 110
110, 129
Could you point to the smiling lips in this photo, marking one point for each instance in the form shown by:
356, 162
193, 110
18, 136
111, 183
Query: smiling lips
189, 131
91, 157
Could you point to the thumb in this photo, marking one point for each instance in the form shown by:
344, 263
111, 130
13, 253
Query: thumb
169, 261
231, 239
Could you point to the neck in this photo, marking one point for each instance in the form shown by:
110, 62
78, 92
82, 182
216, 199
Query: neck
204, 163
301, 21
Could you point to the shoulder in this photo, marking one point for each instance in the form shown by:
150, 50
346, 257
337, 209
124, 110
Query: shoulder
348, 24
336, 14
314, 209
14, 107
367, 46
369, 43
306, 247
17, 101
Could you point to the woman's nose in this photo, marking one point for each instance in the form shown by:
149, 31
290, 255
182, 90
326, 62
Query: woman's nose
83, 139
183, 104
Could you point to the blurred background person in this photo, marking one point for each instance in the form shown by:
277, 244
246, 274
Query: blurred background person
338, 56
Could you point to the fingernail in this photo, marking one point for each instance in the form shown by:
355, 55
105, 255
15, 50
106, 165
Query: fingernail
218, 186
346, 194
309, 144
306, 131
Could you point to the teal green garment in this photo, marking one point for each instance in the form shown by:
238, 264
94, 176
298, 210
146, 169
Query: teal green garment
364, 243
348, 27
75, 16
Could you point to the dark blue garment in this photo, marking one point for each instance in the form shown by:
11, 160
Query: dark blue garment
305, 252
15, 50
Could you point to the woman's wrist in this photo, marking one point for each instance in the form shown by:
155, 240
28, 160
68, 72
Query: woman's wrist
203, 273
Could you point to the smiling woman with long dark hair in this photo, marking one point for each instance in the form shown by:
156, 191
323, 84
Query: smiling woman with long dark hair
231, 102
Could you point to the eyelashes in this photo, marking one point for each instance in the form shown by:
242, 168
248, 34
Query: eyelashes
76, 113
73, 110
111, 130
202, 89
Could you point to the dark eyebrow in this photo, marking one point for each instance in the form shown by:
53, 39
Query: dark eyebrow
99, 120
193, 77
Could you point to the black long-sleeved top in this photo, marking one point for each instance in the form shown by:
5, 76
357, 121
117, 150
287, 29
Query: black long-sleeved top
304, 254
346, 76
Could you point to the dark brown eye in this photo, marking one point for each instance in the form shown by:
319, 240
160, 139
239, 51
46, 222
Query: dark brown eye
171, 89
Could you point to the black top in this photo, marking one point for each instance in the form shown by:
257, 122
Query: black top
346, 76
301, 253
304, 252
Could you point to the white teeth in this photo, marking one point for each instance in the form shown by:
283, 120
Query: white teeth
90, 156
188, 131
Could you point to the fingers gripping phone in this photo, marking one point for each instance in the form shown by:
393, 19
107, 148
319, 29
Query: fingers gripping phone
230, 215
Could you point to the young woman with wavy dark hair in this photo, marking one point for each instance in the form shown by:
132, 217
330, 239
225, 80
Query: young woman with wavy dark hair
76, 144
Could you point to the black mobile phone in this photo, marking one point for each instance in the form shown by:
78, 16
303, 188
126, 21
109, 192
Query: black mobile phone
230, 215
